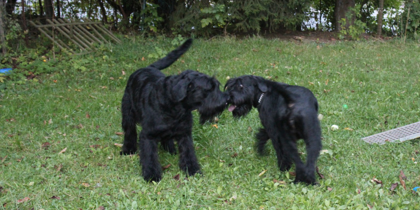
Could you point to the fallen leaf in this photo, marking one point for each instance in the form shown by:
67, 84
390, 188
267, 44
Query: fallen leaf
376, 181
111, 78
348, 129
369, 206
96, 146
46, 145
402, 177
319, 174
55, 81
176, 177
85, 184
62, 151
235, 154
4, 159
118, 145
324, 151
166, 167
23, 200
277, 181
326, 82
358, 191
119, 133
393, 186
249, 129
87, 115
55, 197
20, 160
215, 125
255, 50
100, 208
123, 72
58, 168
329, 189
143, 59
262, 173
50, 121
292, 173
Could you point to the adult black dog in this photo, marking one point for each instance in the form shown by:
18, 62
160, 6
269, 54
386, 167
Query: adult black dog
162, 105
287, 113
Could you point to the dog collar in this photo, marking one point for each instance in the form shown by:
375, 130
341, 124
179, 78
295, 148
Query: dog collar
259, 100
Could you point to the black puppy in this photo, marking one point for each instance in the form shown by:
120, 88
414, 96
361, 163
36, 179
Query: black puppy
288, 113
162, 105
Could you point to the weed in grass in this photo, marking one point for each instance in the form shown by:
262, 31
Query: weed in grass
379, 83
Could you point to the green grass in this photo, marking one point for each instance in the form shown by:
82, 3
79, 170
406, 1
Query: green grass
78, 109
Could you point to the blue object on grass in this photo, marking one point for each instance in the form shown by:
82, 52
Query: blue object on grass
4, 71
415, 189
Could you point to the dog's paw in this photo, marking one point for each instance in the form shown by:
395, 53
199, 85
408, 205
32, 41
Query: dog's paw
305, 177
127, 152
285, 166
152, 178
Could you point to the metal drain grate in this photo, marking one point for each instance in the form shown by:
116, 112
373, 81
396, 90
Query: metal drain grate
401, 134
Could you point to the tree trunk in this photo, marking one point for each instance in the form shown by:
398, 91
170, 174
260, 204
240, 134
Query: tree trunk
2, 38
380, 17
58, 9
341, 7
103, 12
24, 23
49, 10
41, 8
10, 6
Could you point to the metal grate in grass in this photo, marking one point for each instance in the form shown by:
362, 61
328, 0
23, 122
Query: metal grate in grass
401, 134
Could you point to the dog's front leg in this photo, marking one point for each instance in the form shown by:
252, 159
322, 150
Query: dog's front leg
151, 168
187, 159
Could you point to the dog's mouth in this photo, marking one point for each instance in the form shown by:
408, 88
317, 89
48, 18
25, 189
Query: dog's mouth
231, 108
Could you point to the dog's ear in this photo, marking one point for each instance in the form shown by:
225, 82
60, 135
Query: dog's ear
179, 90
262, 86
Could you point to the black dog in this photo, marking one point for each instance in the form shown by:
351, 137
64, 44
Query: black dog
288, 113
162, 105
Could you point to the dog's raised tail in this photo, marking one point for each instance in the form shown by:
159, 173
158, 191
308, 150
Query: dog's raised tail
172, 56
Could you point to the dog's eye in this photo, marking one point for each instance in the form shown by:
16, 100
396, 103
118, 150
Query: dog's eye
189, 86
241, 86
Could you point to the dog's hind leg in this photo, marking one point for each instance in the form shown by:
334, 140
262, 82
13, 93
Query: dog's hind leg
312, 138
288, 142
151, 168
187, 158
262, 138
129, 127
283, 160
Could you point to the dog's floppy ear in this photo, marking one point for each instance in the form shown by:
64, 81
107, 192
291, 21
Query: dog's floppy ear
179, 90
262, 86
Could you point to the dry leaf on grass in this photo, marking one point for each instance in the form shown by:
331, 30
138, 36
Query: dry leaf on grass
118, 145
62, 151
280, 182
85, 184
375, 180
176, 177
46, 145
402, 177
393, 186
319, 174
55, 197
262, 173
23, 200
166, 167
119, 133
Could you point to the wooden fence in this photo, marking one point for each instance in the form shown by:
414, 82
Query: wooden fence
84, 35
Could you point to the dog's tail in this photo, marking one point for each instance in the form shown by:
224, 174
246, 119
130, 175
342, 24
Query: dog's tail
281, 89
172, 56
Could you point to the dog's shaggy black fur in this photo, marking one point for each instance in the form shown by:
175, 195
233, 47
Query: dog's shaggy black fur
287, 113
162, 105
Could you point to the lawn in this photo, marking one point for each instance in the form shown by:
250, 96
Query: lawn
58, 130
